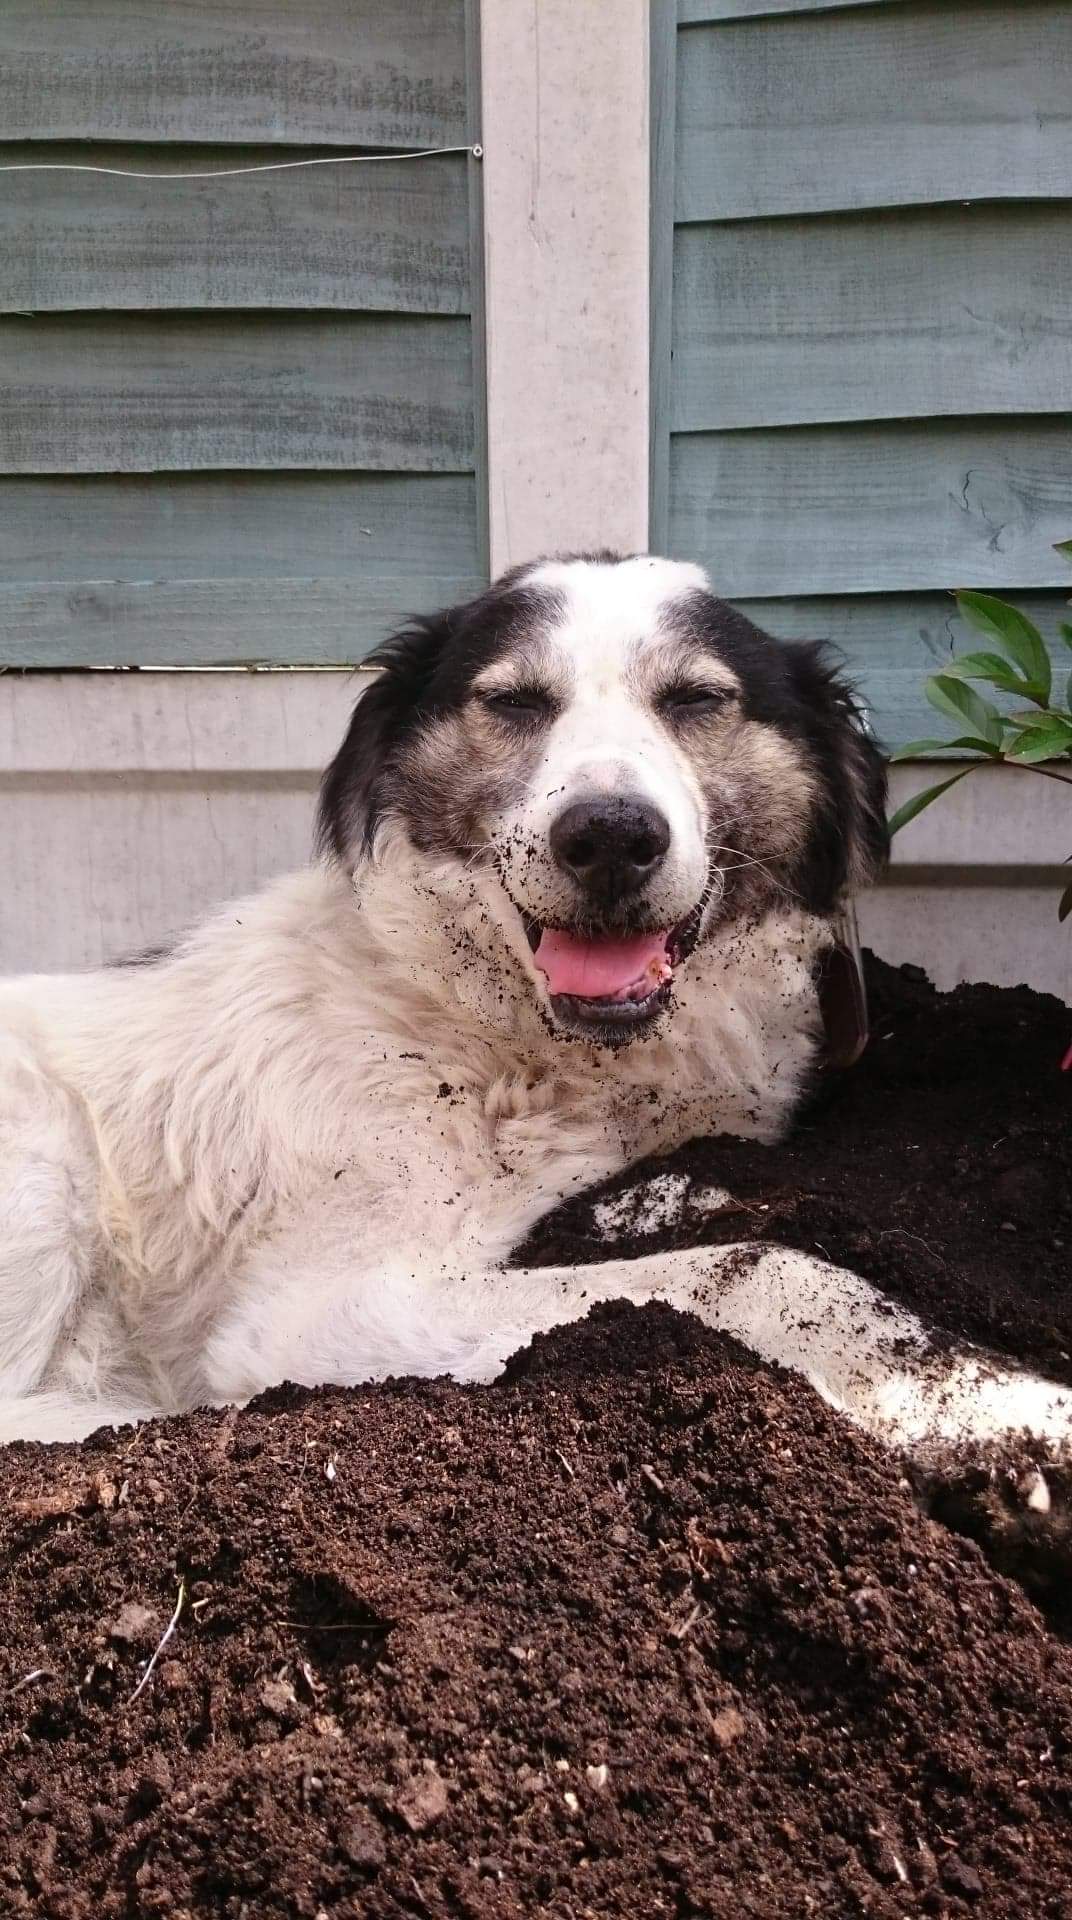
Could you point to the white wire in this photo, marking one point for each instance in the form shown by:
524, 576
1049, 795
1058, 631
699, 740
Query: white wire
228, 173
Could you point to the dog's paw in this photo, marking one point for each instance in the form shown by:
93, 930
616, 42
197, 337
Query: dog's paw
1015, 1500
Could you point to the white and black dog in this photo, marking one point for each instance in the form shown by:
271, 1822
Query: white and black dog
582, 847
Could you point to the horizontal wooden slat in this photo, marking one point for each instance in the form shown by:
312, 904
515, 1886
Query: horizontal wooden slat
212, 569
948, 310
242, 526
890, 643
204, 623
187, 569
867, 509
385, 73
82, 393
877, 106
180, 728
392, 236
693, 12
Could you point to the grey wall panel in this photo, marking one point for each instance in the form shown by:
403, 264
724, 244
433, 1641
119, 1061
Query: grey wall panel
874, 106
889, 643
385, 73
940, 310
91, 394
875, 508
391, 236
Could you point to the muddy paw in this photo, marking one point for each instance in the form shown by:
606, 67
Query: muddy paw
1016, 1501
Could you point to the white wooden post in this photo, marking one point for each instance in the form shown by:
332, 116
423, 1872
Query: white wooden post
566, 192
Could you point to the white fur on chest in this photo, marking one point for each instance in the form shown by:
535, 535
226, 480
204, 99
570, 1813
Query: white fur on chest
323, 1087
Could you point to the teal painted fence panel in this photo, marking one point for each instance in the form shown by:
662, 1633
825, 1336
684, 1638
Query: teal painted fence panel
91, 393
226, 569
889, 643
874, 316
693, 11
861, 384
393, 237
168, 526
883, 508
220, 623
354, 73
874, 106
241, 419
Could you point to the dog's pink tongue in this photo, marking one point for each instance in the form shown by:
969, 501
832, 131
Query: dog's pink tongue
603, 969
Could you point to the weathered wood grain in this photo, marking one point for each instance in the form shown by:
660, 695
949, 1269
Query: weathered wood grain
951, 310
875, 106
211, 569
245, 526
696, 12
384, 73
663, 61
390, 237
891, 642
213, 623
818, 510
478, 280
87, 393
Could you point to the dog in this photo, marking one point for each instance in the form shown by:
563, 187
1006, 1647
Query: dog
580, 856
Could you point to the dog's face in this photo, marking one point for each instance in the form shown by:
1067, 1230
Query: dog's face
623, 764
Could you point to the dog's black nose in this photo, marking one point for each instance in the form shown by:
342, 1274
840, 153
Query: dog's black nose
610, 847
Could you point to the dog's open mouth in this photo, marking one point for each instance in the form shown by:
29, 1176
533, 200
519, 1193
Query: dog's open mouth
610, 983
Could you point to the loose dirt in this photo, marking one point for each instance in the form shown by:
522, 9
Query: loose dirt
641, 1630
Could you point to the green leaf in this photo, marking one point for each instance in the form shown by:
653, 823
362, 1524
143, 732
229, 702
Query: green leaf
1065, 631
1068, 694
1039, 745
918, 801
1037, 717
990, 666
961, 703
1063, 547
1015, 634
916, 749
1065, 904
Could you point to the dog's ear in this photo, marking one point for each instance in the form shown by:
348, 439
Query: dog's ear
848, 844
354, 788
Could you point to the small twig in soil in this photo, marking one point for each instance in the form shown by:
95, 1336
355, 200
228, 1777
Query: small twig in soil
564, 1463
164, 1638
340, 1626
737, 1206
37, 1673
679, 1632
902, 1233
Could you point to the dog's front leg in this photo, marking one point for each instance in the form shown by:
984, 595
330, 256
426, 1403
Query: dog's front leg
866, 1356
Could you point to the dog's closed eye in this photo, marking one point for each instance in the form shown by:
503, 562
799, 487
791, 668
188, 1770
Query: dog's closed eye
688, 700
520, 704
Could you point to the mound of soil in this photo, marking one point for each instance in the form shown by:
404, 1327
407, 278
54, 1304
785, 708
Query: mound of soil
641, 1630
938, 1167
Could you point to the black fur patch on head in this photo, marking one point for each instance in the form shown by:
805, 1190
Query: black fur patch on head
426, 672
794, 687
848, 843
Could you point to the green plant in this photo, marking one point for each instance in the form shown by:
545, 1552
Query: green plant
1033, 736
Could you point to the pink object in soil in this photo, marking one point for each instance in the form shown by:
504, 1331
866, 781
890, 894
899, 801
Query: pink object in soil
626, 969
1066, 1064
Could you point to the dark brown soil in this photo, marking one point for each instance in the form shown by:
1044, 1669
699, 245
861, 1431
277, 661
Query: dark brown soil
938, 1168
642, 1630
